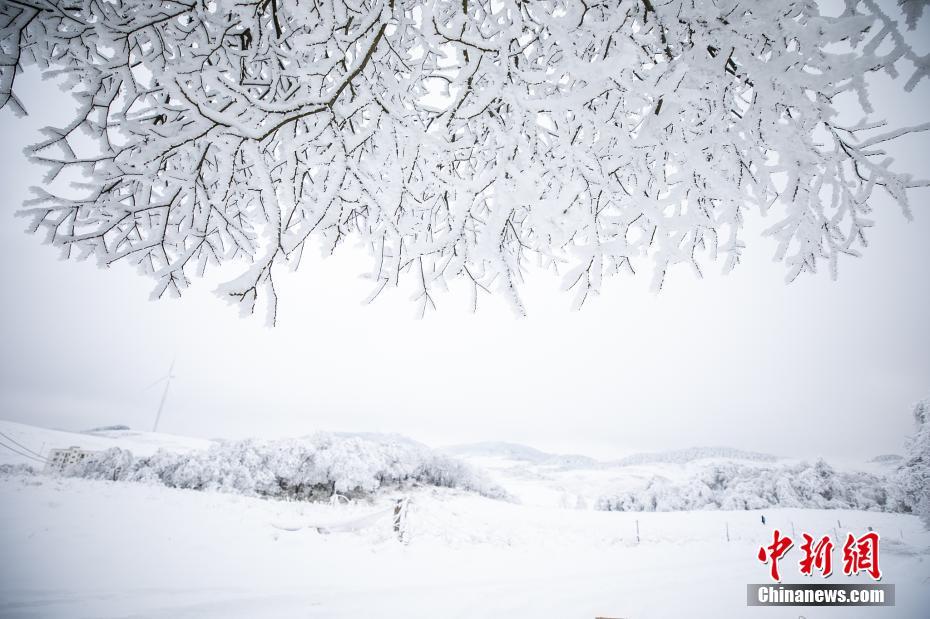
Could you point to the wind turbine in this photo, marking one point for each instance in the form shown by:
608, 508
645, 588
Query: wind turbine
164, 394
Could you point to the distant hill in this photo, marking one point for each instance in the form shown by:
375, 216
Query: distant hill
382, 438
27, 444
525, 453
522, 453
103, 429
681, 456
887, 459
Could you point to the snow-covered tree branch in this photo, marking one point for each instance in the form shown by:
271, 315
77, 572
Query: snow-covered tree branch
914, 473
461, 140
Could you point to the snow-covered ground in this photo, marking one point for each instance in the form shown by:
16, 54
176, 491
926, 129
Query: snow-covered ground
82, 548
41, 440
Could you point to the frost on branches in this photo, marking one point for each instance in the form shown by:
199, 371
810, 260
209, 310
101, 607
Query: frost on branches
914, 473
311, 468
735, 486
458, 140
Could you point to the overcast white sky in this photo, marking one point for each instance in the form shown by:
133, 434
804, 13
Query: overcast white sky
812, 368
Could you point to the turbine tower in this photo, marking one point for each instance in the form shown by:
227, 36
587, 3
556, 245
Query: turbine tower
164, 394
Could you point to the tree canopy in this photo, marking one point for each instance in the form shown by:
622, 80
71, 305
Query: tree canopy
459, 140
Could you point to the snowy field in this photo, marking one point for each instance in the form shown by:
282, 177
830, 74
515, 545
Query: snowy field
81, 548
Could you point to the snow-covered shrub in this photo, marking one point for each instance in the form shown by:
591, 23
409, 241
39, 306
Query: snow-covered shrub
448, 472
742, 486
112, 464
16, 469
311, 468
914, 474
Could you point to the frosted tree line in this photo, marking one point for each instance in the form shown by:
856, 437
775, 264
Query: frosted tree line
735, 485
318, 466
462, 140
312, 468
739, 486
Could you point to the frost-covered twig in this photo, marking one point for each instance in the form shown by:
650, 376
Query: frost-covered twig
458, 140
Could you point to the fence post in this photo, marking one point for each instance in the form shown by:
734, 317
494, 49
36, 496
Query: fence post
400, 519
728, 531
637, 531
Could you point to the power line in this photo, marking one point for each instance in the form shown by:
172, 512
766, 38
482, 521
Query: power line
22, 454
21, 446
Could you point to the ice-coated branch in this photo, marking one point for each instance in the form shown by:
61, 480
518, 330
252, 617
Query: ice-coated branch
458, 140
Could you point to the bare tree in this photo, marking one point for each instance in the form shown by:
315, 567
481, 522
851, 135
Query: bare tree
458, 140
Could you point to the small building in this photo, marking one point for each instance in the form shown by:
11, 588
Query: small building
60, 459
